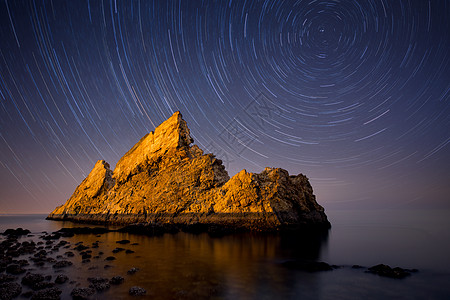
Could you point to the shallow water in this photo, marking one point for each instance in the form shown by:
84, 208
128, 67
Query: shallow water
249, 266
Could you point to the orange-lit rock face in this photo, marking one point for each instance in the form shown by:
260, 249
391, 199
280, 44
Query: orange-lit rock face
165, 179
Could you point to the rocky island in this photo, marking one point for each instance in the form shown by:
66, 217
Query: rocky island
164, 179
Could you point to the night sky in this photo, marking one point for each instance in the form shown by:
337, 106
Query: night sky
354, 94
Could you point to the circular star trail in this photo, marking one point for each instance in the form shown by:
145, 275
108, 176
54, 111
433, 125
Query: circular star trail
354, 94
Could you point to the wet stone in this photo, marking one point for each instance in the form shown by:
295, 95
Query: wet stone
99, 283
69, 254
10, 290
123, 242
15, 269
117, 280
31, 279
7, 278
62, 264
82, 293
47, 294
387, 271
61, 278
137, 291
132, 270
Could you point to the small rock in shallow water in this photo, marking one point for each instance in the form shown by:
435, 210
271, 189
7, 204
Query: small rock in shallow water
123, 242
69, 254
137, 291
99, 283
61, 278
86, 256
62, 264
81, 247
42, 285
129, 251
118, 250
47, 294
82, 293
29, 279
9, 290
7, 278
117, 280
110, 258
132, 270
357, 267
15, 269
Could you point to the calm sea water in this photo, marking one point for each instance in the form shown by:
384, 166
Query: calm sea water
249, 266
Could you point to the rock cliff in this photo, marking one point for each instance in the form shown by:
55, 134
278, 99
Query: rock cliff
164, 179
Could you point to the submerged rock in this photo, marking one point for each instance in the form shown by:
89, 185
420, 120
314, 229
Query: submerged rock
47, 294
9, 290
62, 264
137, 291
99, 283
123, 242
61, 278
15, 269
132, 270
82, 293
7, 278
387, 271
164, 179
117, 280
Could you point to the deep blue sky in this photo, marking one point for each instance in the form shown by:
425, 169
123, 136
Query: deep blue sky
354, 94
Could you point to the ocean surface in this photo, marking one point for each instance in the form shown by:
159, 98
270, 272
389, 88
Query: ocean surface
250, 266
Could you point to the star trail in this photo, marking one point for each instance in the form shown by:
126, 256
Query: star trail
354, 94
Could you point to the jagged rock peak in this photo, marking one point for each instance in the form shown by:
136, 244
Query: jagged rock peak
164, 180
171, 136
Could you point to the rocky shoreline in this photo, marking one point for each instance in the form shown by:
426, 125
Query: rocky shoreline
21, 260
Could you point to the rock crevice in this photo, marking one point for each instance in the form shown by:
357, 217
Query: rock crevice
165, 179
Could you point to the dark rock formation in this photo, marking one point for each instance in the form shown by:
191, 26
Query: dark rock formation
387, 271
99, 283
164, 179
61, 278
47, 294
132, 271
82, 293
7, 278
117, 280
9, 290
62, 264
15, 269
16, 232
137, 291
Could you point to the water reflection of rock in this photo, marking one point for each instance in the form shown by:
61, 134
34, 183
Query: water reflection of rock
236, 266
